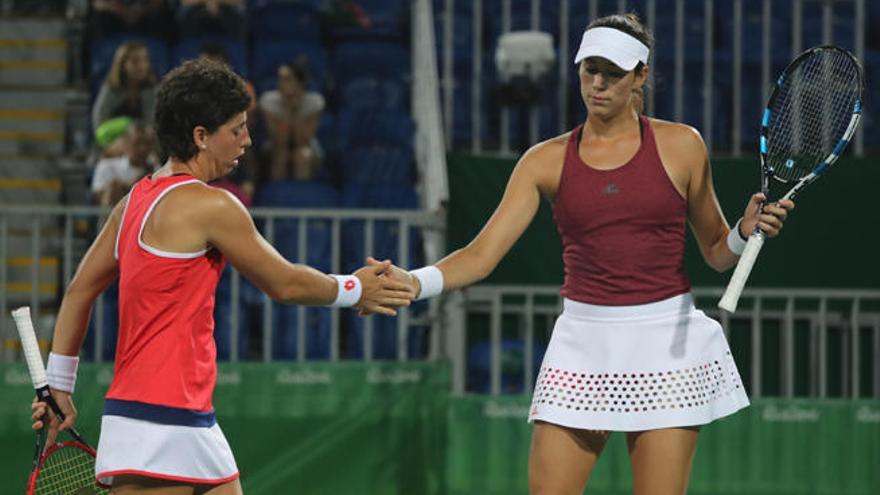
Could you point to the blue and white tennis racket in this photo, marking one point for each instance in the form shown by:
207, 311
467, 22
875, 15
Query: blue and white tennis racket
810, 118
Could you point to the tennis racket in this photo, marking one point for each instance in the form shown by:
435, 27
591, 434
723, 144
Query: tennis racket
810, 117
66, 467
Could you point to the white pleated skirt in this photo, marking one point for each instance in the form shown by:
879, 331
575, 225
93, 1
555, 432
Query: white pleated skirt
634, 368
188, 454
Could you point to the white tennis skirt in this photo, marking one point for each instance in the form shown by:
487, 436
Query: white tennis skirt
189, 454
634, 368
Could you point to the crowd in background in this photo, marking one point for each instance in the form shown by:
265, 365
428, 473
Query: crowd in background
282, 121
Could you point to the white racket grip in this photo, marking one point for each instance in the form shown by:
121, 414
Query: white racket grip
737, 282
22, 317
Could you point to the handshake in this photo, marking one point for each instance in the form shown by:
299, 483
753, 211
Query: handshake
385, 288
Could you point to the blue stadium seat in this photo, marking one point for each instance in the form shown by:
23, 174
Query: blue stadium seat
385, 244
297, 194
285, 344
249, 297
372, 167
371, 128
372, 93
512, 374
318, 245
371, 57
285, 21
384, 340
188, 48
521, 17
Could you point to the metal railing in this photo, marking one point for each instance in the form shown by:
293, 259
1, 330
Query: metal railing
56, 237
717, 81
819, 333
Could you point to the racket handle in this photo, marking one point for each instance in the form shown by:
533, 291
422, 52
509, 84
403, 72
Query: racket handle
25, 326
737, 282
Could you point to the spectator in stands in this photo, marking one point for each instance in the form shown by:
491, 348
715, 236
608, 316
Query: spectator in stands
630, 352
148, 17
292, 114
169, 238
114, 176
110, 137
130, 87
219, 17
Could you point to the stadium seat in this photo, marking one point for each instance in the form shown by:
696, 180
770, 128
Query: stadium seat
376, 166
375, 128
285, 21
318, 246
248, 297
188, 48
372, 93
371, 57
479, 365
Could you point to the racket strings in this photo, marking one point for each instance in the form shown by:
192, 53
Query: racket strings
811, 113
68, 469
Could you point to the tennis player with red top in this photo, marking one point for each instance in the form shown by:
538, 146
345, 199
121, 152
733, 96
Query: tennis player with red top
168, 241
630, 352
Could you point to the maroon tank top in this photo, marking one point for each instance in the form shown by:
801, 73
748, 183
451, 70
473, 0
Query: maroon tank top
622, 230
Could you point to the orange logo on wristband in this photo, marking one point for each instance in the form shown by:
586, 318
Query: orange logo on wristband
349, 285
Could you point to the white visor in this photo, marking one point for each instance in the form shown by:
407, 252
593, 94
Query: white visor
620, 48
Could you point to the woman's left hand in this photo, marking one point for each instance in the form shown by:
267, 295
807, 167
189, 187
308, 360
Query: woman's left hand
769, 217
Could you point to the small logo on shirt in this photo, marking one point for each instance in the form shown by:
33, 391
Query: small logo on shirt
611, 188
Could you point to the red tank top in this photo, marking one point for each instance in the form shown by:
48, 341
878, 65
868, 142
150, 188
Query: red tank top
165, 353
622, 230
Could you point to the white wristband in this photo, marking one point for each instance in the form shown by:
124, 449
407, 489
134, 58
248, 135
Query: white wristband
348, 291
61, 372
431, 280
735, 242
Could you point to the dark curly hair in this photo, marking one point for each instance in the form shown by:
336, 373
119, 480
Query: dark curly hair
199, 92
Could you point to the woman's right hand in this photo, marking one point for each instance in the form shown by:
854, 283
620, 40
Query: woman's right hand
40, 411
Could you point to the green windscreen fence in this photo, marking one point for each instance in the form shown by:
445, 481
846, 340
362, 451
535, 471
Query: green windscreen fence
392, 428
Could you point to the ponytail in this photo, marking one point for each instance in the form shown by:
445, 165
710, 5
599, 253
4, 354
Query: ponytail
637, 100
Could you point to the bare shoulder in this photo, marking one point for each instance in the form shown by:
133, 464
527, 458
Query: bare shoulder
549, 150
203, 201
543, 162
677, 135
681, 146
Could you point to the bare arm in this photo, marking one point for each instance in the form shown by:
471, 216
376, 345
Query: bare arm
228, 226
704, 213
514, 213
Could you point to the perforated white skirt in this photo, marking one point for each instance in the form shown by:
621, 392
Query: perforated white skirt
634, 368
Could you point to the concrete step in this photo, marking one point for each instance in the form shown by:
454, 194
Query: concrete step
27, 167
32, 120
33, 52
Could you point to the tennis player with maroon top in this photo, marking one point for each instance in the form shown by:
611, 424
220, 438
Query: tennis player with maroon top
630, 352
168, 241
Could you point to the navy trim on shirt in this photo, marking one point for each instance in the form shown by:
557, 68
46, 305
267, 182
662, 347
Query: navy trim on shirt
165, 415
